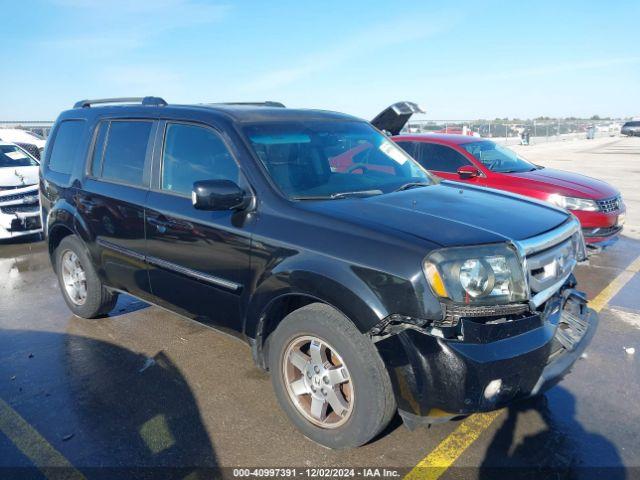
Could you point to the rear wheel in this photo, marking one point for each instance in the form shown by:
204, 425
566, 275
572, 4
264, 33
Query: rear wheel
81, 288
329, 378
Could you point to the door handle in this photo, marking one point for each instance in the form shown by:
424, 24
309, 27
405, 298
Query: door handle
161, 223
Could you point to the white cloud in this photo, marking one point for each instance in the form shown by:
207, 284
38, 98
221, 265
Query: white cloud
392, 33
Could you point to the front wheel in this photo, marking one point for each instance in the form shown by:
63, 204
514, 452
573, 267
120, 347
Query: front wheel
329, 378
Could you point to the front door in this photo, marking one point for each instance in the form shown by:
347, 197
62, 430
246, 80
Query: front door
198, 260
444, 161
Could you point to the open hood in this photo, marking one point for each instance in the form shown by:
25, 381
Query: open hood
393, 118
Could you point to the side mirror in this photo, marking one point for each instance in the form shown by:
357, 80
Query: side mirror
218, 195
468, 171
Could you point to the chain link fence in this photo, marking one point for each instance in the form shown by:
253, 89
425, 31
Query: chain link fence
504, 131
511, 132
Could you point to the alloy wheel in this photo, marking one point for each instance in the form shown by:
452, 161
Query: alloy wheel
74, 278
318, 382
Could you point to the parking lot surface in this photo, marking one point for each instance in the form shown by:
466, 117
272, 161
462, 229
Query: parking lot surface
146, 388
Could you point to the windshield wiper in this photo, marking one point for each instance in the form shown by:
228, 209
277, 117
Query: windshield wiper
357, 193
409, 185
340, 195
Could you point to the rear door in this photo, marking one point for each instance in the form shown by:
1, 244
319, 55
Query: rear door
198, 260
112, 200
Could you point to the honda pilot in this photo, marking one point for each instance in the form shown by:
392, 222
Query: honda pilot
364, 291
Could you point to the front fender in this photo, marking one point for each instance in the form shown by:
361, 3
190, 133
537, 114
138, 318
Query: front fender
363, 295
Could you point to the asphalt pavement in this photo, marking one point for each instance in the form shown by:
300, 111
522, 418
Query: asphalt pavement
145, 389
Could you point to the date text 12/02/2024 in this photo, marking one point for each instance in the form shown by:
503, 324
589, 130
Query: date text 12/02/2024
317, 472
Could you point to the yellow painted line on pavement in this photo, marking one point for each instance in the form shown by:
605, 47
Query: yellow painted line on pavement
42, 454
447, 452
605, 296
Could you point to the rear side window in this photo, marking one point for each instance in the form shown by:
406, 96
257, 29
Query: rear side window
193, 153
440, 158
125, 151
65, 146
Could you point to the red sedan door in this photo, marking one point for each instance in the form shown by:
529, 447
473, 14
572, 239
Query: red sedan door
441, 160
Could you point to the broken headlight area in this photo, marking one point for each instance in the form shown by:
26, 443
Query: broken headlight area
489, 323
478, 275
473, 326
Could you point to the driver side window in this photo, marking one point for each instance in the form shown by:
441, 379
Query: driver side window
192, 153
440, 158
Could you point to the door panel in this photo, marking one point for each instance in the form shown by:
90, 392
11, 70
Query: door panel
198, 260
444, 161
115, 215
112, 200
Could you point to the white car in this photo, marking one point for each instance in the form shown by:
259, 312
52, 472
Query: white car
19, 200
31, 142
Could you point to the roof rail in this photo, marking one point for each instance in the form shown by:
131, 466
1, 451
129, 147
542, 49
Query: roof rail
268, 103
150, 101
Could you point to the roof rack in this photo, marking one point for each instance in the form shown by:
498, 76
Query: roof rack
268, 103
150, 101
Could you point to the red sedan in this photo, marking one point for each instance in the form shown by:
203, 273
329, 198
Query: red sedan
482, 162
598, 205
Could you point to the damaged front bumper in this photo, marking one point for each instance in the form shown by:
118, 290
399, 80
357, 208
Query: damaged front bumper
488, 365
20, 212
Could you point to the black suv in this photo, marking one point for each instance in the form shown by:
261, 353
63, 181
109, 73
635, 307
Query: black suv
364, 290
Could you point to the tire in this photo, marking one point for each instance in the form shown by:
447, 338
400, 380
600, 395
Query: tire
97, 301
367, 402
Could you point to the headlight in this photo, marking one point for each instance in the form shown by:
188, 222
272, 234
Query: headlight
488, 274
573, 203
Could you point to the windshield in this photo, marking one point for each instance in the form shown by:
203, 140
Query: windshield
329, 159
498, 158
12, 156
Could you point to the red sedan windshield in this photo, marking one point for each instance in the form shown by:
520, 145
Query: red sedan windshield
498, 158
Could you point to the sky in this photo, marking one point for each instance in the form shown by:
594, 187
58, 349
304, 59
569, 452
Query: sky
458, 60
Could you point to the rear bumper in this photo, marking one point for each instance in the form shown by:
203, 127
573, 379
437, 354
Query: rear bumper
436, 379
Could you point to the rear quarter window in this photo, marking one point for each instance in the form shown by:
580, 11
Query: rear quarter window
65, 146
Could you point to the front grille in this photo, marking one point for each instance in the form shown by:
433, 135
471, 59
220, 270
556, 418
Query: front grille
550, 259
549, 266
28, 208
609, 205
17, 196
